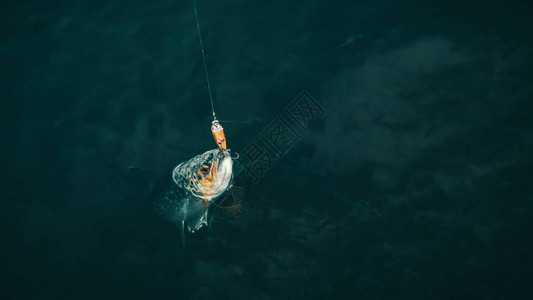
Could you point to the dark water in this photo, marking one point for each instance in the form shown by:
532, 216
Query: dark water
416, 183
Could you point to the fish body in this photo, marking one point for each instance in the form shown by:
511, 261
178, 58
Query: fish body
195, 184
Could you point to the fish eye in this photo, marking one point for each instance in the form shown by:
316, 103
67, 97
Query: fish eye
204, 168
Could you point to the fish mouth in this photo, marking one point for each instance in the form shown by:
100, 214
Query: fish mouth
223, 153
216, 156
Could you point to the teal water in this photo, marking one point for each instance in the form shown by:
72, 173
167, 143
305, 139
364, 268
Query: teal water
414, 184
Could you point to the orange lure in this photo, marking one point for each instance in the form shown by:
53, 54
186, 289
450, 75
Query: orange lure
218, 134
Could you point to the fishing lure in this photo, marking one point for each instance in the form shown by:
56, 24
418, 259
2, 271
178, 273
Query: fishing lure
218, 134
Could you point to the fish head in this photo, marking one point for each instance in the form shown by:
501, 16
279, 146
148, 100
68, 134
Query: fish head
207, 175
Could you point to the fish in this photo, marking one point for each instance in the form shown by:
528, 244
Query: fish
194, 186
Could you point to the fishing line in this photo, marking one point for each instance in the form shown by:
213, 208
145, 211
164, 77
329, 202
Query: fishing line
216, 129
203, 57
